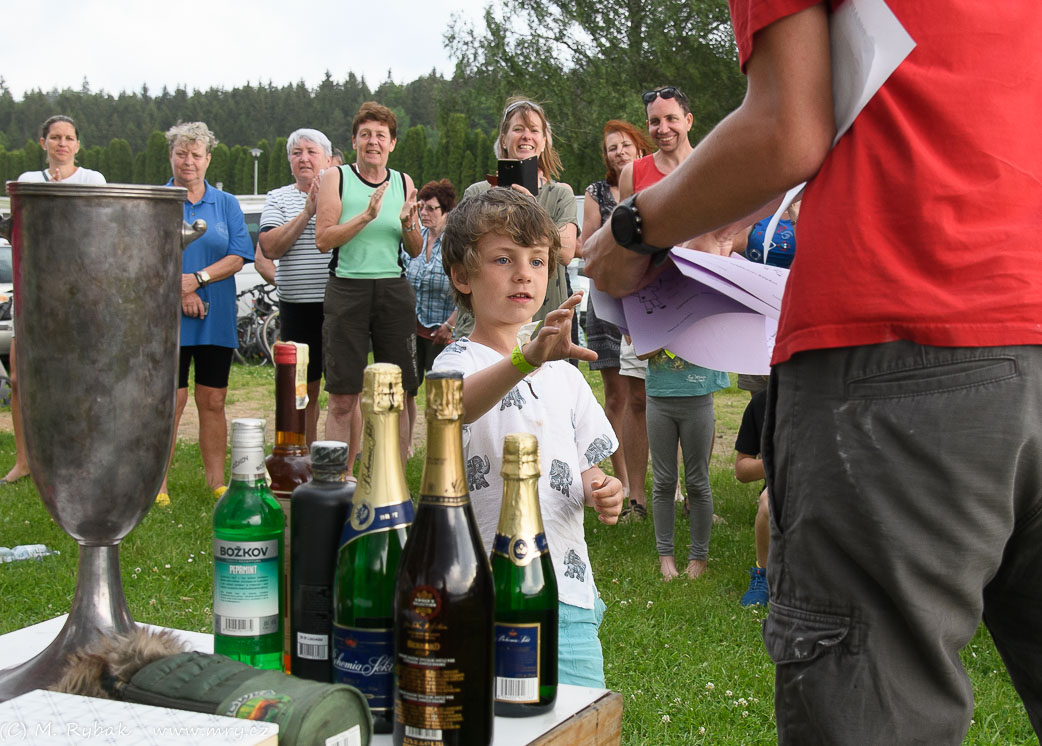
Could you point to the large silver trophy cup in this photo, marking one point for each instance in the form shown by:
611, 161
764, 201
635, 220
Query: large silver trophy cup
97, 289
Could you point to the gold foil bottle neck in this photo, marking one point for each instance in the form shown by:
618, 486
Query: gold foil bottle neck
382, 389
444, 395
520, 456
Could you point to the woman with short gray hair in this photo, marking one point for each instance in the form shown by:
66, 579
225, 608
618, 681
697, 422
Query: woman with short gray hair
287, 233
208, 314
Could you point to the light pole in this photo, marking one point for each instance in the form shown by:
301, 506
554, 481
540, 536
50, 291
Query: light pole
256, 153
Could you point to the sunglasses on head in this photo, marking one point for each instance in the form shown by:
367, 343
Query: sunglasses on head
517, 105
669, 91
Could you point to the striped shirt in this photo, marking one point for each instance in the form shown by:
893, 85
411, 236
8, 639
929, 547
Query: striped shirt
303, 270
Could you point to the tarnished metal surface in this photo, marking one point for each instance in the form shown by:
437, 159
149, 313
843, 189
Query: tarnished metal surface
97, 287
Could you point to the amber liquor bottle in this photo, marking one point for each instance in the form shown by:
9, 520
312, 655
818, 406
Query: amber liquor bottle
526, 589
288, 465
319, 508
444, 598
371, 543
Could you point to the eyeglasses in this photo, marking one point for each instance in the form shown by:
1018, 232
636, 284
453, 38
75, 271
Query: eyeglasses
424, 207
668, 91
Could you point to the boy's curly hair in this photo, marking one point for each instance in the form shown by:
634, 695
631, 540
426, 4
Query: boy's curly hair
504, 211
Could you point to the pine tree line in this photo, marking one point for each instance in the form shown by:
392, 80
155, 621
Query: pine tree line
585, 63
461, 155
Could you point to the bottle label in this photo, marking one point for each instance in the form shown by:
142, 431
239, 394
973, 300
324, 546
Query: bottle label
365, 518
312, 647
364, 658
520, 550
430, 683
517, 662
248, 464
246, 588
300, 377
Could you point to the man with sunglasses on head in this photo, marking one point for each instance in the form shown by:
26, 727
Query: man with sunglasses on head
669, 121
903, 433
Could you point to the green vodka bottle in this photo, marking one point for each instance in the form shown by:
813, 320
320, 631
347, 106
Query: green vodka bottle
248, 588
526, 589
371, 546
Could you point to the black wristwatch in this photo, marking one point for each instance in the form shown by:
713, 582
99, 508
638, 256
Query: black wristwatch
628, 230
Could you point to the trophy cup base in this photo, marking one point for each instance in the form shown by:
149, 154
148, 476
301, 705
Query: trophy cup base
99, 608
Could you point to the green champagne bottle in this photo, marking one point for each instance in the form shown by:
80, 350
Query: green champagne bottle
371, 545
526, 589
248, 588
443, 596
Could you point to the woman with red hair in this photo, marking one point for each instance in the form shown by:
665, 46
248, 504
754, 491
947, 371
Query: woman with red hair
622, 143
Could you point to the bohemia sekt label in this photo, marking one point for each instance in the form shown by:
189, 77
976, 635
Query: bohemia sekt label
364, 656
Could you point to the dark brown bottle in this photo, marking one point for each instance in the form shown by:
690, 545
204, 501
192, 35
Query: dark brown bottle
288, 465
319, 508
444, 597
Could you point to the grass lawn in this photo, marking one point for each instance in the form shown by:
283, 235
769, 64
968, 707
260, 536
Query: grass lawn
688, 660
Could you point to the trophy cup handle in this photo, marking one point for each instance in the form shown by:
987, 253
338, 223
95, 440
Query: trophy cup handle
191, 232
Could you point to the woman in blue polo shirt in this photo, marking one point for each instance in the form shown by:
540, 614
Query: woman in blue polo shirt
208, 266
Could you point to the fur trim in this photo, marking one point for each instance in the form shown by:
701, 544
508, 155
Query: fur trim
105, 667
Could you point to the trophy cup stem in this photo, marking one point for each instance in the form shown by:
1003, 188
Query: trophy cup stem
98, 608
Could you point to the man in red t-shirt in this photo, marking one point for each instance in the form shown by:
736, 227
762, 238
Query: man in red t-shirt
903, 435
669, 122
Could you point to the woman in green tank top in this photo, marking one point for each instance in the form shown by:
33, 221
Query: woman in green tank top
366, 213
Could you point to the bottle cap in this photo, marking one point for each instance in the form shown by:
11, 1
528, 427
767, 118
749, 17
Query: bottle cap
285, 353
444, 395
248, 433
330, 455
382, 389
520, 456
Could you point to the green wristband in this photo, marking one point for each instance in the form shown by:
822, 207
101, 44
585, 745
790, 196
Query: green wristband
518, 359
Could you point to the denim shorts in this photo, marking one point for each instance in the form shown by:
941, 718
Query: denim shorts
580, 661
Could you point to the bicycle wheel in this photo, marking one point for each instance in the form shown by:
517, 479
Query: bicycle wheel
270, 335
242, 329
250, 351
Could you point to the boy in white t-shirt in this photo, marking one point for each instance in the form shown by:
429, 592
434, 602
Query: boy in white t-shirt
500, 248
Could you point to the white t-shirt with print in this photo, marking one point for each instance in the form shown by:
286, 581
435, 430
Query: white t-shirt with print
555, 404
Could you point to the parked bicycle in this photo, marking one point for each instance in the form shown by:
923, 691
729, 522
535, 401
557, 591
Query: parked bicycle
258, 326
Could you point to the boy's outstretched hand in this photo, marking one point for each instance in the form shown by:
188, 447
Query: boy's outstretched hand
554, 339
607, 497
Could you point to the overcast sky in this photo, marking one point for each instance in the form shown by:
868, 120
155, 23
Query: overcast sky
120, 44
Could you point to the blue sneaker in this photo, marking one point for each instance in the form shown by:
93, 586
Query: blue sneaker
758, 593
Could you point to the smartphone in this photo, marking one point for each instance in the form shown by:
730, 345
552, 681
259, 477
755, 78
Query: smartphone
525, 173
206, 309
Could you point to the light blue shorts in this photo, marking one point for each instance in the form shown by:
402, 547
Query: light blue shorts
580, 661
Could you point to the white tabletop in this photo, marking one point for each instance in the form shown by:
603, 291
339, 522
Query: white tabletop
21, 645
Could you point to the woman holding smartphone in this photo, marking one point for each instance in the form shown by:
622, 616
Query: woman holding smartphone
524, 132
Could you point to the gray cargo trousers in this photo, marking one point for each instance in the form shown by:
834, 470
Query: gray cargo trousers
906, 505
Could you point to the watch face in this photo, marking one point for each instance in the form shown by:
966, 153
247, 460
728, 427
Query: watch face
622, 228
